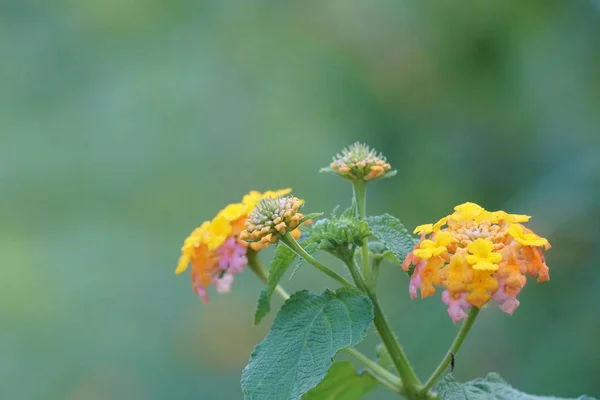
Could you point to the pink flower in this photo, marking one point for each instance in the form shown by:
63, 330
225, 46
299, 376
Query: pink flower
416, 280
510, 302
201, 292
456, 305
223, 284
232, 256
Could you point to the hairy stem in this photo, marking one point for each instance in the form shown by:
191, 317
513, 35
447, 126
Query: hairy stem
458, 341
360, 195
289, 241
375, 276
382, 375
401, 363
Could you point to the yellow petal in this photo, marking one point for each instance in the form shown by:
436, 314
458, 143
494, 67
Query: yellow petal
234, 211
485, 265
421, 229
182, 264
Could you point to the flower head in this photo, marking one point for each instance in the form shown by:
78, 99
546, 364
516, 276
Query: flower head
271, 218
477, 256
214, 249
360, 163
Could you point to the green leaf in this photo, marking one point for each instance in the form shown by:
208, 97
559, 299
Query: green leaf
342, 382
390, 231
493, 387
307, 333
281, 261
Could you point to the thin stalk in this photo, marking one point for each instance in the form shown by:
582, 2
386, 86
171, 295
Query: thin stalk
401, 363
403, 366
375, 269
289, 241
261, 272
256, 266
360, 195
458, 341
382, 375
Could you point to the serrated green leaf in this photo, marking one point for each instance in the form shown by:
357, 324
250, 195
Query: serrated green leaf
390, 231
309, 216
493, 387
342, 382
281, 261
307, 333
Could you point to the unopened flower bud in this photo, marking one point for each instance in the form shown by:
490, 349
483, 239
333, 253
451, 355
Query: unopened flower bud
272, 218
360, 163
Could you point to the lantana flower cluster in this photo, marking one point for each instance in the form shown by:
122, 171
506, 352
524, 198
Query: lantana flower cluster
359, 162
477, 256
214, 249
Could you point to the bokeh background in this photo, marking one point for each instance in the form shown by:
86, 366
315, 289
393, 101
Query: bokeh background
123, 124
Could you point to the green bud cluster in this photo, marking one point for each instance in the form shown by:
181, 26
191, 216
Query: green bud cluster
339, 236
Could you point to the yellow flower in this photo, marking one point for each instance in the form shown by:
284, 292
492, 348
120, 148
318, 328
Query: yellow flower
482, 286
430, 248
250, 199
457, 274
440, 223
430, 276
482, 255
276, 193
429, 228
190, 243
215, 249
234, 212
510, 218
526, 238
216, 233
426, 228
466, 211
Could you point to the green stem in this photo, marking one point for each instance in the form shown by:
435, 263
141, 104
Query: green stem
405, 370
403, 366
381, 374
256, 266
360, 195
261, 272
375, 276
289, 241
458, 341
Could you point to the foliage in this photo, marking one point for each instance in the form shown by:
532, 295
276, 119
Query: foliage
338, 236
492, 387
342, 382
281, 261
306, 334
392, 233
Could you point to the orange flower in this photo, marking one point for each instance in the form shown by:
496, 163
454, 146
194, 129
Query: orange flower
477, 256
214, 249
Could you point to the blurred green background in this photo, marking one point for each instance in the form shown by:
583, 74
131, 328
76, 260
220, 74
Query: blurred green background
125, 123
